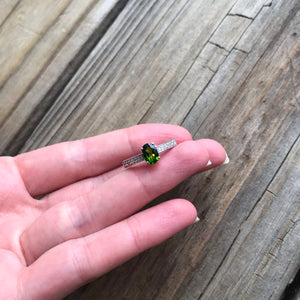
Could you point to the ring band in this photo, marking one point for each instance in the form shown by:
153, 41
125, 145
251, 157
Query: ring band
150, 153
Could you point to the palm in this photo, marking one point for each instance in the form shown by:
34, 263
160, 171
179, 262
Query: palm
82, 228
16, 214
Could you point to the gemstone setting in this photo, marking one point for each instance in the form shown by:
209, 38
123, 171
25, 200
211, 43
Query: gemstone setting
150, 153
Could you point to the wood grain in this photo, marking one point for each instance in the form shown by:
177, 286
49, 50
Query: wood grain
227, 70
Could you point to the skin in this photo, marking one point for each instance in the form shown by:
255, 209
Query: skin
87, 223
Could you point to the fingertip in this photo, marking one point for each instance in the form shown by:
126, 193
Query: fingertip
182, 211
216, 152
189, 211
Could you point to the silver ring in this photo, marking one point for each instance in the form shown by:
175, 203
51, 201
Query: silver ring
150, 153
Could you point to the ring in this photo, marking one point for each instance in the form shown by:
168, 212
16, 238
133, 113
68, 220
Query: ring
150, 153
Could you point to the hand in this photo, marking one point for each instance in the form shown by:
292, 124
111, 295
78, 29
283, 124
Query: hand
85, 224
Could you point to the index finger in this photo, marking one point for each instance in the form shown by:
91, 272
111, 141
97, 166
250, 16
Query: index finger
52, 167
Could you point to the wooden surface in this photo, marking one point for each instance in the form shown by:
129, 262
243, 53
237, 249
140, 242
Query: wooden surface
225, 69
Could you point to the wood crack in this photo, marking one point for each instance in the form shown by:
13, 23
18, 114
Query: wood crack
286, 232
219, 46
240, 50
241, 16
271, 193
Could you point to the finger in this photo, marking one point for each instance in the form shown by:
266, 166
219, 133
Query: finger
67, 266
116, 198
215, 152
53, 167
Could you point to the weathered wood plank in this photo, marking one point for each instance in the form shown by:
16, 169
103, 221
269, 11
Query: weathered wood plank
262, 135
253, 44
127, 84
57, 52
17, 83
6, 7
25, 25
230, 31
249, 8
260, 268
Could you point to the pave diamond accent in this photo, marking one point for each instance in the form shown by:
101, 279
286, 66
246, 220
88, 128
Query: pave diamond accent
167, 145
133, 160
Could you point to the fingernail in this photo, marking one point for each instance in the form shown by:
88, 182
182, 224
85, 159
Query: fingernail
197, 220
226, 161
208, 163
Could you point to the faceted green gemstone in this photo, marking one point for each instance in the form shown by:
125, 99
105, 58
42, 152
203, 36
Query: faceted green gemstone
150, 153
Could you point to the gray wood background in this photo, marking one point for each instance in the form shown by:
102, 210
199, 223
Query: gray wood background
224, 69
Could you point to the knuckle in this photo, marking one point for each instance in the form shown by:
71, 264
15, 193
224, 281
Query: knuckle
134, 227
79, 216
79, 253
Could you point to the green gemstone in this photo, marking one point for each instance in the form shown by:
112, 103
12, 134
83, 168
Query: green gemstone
150, 153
